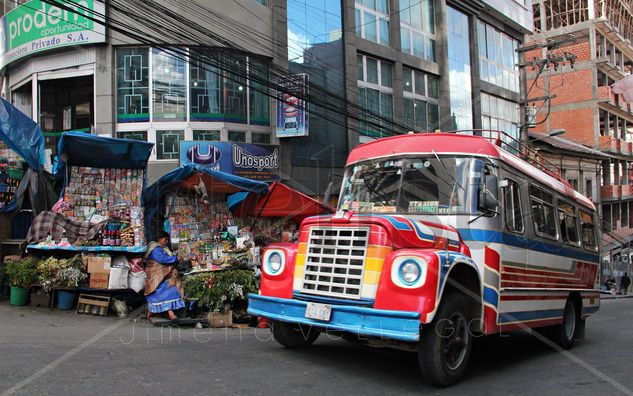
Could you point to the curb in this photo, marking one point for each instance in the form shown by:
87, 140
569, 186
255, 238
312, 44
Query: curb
612, 297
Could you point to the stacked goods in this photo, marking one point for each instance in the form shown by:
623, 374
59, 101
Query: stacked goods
99, 194
205, 232
11, 172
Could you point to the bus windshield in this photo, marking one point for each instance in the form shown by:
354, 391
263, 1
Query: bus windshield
428, 185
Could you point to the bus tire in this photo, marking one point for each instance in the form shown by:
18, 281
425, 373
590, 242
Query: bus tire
445, 344
565, 333
292, 335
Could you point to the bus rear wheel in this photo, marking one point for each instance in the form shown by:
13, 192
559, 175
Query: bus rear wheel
445, 344
293, 335
565, 333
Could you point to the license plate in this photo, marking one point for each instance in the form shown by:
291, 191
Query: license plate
318, 311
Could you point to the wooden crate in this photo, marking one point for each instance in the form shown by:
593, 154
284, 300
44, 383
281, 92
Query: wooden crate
218, 319
87, 302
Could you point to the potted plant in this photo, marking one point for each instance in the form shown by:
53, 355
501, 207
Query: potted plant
21, 276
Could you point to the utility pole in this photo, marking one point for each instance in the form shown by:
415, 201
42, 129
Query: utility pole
547, 62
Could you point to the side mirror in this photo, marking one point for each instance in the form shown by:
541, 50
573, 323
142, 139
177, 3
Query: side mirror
488, 193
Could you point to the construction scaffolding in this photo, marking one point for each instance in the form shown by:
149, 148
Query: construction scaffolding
554, 14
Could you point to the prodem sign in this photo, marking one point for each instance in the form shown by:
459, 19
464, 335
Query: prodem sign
37, 26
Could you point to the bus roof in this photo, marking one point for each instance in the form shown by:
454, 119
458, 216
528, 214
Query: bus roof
452, 143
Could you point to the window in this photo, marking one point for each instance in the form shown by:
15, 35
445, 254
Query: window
260, 138
498, 58
168, 144
258, 92
372, 20
500, 114
587, 231
132, 77
375, 96
568, 223
458, 39
419, 91
417, 28
141, 135
543, 214
168, 86
512, 207
237, 136
219, 95
589, 189
624, 217
207, 135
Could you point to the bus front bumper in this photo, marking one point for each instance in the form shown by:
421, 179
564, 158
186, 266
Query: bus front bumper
394, 325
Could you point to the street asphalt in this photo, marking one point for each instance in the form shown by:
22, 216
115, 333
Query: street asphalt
58, 353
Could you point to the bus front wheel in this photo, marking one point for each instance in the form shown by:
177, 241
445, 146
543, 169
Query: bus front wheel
293, 335
445, 344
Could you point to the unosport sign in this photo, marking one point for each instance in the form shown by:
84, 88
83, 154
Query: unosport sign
37, 26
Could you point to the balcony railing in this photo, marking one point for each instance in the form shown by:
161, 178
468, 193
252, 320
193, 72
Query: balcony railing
627, 190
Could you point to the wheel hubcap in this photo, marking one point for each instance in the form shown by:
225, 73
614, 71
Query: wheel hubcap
570, 321
456, 339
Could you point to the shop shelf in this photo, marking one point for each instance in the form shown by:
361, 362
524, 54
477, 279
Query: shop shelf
15, 174
103, 249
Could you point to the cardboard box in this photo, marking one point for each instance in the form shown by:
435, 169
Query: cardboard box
218, 319
98, 264
99, 280
118, 278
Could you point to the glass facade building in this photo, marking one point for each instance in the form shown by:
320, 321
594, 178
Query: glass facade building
191, 89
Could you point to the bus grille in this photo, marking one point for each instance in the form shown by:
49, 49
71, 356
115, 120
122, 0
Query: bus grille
335, 262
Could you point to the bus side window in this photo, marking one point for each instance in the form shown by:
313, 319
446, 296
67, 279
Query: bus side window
568, 223
512, 207
587, 231
543, 214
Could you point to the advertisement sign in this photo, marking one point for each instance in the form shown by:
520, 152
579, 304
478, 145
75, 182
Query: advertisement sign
292, 120
252, 161
37, 26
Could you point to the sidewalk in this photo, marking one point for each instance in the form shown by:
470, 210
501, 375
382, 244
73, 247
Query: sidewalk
614, 296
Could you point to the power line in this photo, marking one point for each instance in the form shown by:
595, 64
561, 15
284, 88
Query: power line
360, 114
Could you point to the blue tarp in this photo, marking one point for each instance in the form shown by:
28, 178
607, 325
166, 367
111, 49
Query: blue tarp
22, 135
83, 149
186, 177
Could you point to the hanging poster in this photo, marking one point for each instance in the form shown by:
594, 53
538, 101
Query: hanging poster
292, 118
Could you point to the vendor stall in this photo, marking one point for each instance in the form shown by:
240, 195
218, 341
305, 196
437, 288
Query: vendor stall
276, 215
96, 229
190, 204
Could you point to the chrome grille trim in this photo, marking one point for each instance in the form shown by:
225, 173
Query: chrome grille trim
335, 261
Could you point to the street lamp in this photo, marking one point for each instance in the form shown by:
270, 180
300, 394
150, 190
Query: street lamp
552, 133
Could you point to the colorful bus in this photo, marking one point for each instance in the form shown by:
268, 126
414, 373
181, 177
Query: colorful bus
438, 238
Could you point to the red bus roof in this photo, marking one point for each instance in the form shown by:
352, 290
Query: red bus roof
452, 143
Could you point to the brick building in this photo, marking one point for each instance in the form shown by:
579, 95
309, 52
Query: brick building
600, 34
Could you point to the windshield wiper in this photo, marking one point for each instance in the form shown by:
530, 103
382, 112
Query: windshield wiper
485, 213
447, 171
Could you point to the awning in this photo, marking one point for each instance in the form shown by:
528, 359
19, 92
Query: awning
187, 177
281, 201
84, 149
21, 134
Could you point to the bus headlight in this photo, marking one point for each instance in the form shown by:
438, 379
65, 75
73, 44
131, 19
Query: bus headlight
408, 272
273, 262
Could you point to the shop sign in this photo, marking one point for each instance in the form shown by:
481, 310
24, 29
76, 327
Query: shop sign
292, 118
38, 26
252, 161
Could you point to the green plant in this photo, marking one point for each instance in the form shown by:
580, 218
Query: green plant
22, 272
215, 291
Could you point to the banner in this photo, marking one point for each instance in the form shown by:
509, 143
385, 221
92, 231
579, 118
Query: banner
37, 26
252, 161
292, 118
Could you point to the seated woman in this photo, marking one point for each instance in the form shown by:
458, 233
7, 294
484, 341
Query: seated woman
163, 288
